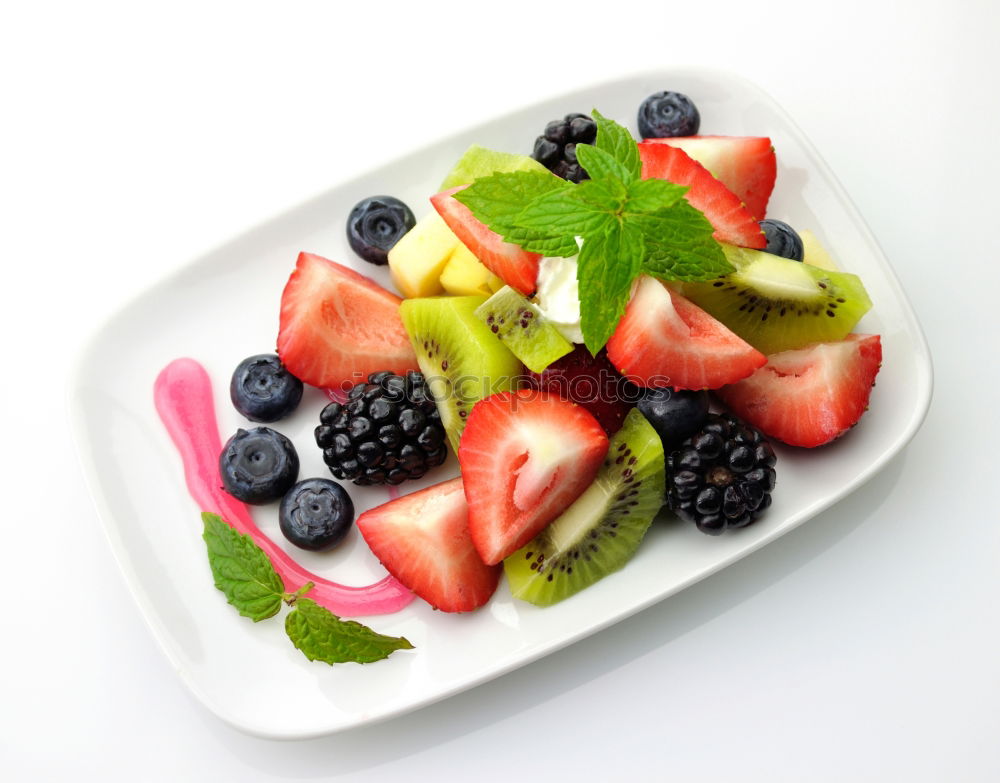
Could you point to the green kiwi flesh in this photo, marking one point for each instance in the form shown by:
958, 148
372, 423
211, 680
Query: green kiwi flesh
481, 162
523, 329
603, 528
776, 304
461, 359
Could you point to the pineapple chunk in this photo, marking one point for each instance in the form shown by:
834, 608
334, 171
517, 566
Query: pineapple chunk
464, 275
814, 253
419, 257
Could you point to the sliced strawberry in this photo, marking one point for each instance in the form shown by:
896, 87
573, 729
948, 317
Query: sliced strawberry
808, 397
337, 326
525, 457
589, 381
744, 164
666, 340
516, 267
423, 540
733, 222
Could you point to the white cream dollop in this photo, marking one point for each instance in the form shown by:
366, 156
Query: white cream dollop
558, 296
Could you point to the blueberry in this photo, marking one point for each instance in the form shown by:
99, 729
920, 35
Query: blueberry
316, 514
258, 465
263, 390
675, 415
782, 240
375, 225
667, 114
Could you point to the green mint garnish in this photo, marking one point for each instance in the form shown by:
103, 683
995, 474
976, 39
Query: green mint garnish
605, 287
241, 570
504, 195
617, 142
322, 636
247, 578
626, 226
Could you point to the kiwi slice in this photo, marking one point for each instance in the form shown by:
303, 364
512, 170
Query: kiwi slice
776, 304
522, 328
481, 162
461, 359
602, 529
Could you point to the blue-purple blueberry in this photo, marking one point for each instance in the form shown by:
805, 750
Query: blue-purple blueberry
263, 390
258, 465
316, 514
375, 225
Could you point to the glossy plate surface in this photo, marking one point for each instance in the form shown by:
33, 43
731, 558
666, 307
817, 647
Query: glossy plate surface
223, 307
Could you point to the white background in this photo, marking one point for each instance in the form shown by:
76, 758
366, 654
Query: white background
861, 646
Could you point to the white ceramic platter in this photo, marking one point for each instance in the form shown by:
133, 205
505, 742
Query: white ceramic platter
224, 306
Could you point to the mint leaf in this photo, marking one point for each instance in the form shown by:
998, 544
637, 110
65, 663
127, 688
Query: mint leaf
628, 226
563, 212
608, 194
499, 198
241, 570
679, 244
652, 195
564, 246
322, 636
600, 164
615, 140
606, 267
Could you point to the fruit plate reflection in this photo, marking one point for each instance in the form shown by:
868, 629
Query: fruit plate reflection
223, 307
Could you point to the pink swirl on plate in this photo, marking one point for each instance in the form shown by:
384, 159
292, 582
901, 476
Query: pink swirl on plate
183, 397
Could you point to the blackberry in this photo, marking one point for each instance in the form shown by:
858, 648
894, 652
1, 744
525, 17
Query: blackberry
388, 431
722, 476
556, 147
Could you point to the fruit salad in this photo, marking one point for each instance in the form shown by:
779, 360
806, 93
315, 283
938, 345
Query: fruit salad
599, 331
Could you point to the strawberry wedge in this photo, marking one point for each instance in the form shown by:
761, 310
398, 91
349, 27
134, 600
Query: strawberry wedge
666, 340
516, 267
423, 540
525, 457
744, 164
809, 396
337, 326
732, 221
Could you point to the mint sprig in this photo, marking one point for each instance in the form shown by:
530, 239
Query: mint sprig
250, 583
242, 571
617, 142
622, 242
618, 224
322, 636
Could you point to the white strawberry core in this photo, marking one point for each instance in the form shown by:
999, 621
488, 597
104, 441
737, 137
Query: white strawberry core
548, 456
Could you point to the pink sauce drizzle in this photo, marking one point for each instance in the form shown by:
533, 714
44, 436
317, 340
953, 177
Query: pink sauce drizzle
183, 397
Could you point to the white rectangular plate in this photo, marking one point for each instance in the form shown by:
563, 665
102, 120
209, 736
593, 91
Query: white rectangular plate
224, 306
